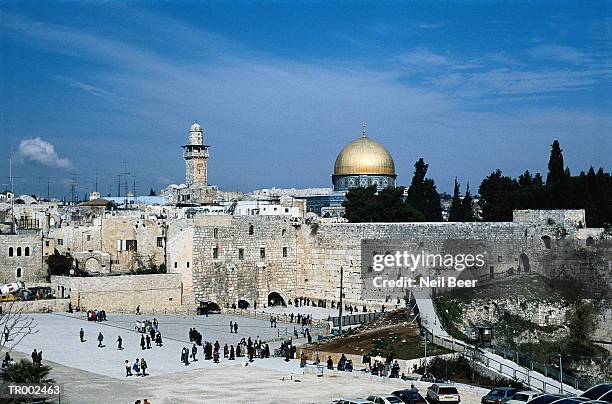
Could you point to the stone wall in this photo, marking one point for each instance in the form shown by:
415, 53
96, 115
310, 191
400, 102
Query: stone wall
36, 306
23, 268
239, 272
161, 293
317, 251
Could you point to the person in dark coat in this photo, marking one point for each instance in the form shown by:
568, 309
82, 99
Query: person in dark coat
330, 363
235, 328
194, 352
148, 341
238, 351
231, 353
82, 335
119, 343
142, 342
100, 339
158, 339
225, 351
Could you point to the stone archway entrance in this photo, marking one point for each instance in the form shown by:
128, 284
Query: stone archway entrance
275, 299
92, 265
243, 304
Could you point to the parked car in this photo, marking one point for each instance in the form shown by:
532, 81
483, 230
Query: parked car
443, 393
521, 397
599, 392
351, 401
385, 399
410, 396
499, 395
572, 400
546, 398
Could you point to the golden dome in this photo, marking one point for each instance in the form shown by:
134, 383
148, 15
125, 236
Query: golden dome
364, 156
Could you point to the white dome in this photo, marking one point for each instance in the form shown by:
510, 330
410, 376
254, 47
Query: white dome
196, 127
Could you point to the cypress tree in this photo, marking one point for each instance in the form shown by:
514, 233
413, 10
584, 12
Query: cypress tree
456, 208
422, 193
467, 206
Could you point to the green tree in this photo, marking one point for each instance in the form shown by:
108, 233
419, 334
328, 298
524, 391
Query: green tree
468, 206
26, 372
360, 204
498, 194
422, 193
456, 210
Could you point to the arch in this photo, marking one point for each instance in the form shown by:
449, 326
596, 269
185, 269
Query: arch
590, 241
18, 273
19, 251
11, 251
27, 251
283, 233
546, 240
251, 229
92, 265
524, 262
275, 299
208, 307
243, 304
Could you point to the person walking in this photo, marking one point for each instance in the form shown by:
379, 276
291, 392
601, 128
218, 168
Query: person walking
119, 343
142, 342
34, 357
143, 366
148, 342
232, 353
225, 351
100, 339
231, 327
235, 328
138, 310
128, 368
194, 352
158, 339
136, 367
82, 335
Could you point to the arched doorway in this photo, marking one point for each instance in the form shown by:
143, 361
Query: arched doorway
525, 266
92, 265
275, 299
243, 304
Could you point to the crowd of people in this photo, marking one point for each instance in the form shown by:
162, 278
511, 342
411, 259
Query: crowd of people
246, 347
96, 315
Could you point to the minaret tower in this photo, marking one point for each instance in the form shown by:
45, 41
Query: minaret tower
195, 154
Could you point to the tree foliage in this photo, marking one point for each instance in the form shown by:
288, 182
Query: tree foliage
591, 191
26, 372
366, 205
423, 195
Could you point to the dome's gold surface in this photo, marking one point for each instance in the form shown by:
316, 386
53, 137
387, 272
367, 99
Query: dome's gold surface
364, 156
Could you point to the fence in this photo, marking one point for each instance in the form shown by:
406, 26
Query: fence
354, 319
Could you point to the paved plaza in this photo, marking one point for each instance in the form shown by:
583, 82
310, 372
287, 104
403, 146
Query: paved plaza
92, 374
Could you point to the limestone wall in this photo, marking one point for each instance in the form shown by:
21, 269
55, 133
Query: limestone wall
30, 266
161, 293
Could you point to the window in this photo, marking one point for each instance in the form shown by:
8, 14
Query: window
60, 241
215, 252
251, 230
131, 245
216, 233
11, 251
19, 251
176, 264
240, 253
27, 252
18, 273
546, 240
89, 237
46, 243
284, 252
286, 210
160, 241
262, 253
187, 264
500, 258
283, 232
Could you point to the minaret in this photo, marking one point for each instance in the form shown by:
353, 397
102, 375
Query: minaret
195, 154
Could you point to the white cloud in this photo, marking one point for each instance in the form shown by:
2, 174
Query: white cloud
557, 53
42, 152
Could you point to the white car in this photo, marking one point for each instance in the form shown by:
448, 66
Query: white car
352, 401
521, 397
443, 393
385, 399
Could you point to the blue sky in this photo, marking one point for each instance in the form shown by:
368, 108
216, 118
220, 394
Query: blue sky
280, 87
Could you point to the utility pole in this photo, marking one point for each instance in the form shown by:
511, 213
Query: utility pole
425, 335
341, 304
561, 371
12, 194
